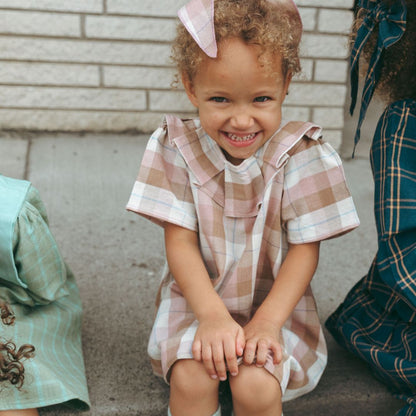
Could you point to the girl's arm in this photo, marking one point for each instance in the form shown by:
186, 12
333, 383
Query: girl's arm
290, 284
218, 335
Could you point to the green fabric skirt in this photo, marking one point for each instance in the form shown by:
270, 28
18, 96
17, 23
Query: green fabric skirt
41, 290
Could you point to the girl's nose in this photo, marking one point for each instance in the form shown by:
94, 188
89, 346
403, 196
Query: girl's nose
242, 119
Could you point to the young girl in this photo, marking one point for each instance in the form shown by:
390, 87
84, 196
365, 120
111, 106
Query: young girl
39, 288
377, 319
244, 200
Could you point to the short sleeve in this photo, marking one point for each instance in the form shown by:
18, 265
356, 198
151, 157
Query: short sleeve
40, 272
162, 191
316, 203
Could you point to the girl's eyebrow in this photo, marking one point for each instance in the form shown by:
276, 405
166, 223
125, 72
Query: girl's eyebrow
265, 91
213, 92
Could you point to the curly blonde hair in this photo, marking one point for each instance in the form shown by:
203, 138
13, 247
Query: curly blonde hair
275, 26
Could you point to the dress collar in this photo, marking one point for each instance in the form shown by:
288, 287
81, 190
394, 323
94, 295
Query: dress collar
237, 188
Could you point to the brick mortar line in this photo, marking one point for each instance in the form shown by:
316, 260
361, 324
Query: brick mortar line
149, 66
103, 13
50, 11
36, 36
127, 65
93, 110
105, 86
135, 111
144, 40
82, 63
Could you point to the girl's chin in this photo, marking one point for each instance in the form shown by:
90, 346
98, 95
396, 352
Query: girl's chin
233, 160
236, 157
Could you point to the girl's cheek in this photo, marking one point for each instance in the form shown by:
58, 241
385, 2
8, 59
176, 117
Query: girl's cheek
216, 117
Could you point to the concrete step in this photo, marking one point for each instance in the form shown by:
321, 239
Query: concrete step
117, 257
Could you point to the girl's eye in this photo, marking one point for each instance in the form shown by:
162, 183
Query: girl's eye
262, 99
218, 99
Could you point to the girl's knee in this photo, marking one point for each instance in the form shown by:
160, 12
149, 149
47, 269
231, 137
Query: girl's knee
189, 378
254, 387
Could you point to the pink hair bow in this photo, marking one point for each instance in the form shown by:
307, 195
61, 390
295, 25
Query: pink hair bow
198, 18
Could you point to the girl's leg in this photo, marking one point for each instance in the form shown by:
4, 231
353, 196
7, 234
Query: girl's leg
192, 390
217, 413
255, 392
24, 412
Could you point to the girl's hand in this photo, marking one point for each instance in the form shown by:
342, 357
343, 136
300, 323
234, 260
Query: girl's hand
218, 342
262, 336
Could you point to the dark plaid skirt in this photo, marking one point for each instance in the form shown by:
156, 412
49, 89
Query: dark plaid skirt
377, 320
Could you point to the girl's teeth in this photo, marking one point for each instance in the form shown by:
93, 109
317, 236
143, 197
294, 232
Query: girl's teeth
241, 139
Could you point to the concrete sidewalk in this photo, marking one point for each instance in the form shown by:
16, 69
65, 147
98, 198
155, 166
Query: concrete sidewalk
117, 258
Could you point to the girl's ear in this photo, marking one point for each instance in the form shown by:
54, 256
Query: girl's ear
287, 82
189, 89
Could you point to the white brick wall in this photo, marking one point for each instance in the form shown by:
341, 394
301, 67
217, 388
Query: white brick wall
103, 65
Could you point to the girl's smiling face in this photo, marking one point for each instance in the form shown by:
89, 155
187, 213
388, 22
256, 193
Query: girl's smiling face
239, 102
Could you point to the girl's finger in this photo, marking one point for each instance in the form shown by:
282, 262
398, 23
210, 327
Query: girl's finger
231, 357
250, 352
208, 363
277, 353
219, 363
196, 350
240, 343
262, 350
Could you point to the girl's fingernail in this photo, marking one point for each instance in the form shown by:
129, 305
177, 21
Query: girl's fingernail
234, 374
214, 376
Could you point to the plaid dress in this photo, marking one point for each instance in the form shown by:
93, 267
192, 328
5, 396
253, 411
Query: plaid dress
291, 191
377, 320
44, 297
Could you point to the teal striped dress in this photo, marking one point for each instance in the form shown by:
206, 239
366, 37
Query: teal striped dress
42, 293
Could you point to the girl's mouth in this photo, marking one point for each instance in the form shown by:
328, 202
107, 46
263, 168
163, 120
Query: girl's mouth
236, 138
241, 141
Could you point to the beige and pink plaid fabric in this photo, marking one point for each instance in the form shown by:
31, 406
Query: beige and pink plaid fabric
293, 190
198, 18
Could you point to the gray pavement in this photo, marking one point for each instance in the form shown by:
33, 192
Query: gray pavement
117, 258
